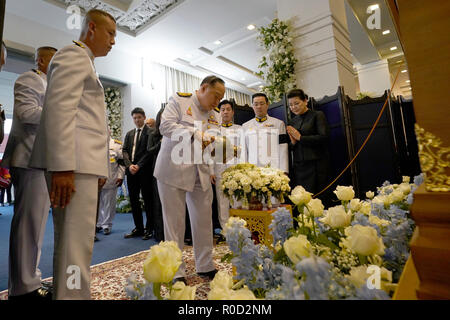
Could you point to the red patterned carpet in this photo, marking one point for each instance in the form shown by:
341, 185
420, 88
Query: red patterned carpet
110, 278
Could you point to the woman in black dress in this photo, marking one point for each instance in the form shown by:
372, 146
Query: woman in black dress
308, 133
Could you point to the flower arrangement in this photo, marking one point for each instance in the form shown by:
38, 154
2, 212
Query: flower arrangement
278, 63
244, 182
113, 101
332, 253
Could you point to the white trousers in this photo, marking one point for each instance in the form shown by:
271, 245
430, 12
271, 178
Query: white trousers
74, 240
31, 208
199, 203
223, 204
107, 208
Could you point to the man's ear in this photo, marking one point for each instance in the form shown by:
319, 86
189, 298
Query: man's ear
92, 27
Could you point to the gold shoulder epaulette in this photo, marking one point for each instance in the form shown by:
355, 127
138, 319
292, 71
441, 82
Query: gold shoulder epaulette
216, 109
36, 71
117, 141
184, 95
78, 44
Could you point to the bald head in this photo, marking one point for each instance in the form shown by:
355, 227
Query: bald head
43, 57
98, 32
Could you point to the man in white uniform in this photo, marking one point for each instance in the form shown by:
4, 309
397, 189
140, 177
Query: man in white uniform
32, 203
107, 205
231, 131
189, 181
72, 145
266, 138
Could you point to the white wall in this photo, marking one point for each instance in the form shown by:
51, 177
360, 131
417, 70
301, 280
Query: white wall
374, 77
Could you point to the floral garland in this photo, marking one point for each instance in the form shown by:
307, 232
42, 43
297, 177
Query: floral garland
113, 101
278, 64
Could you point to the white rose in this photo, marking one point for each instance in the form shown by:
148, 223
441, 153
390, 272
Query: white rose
337, 217
370, 194
242, 294
366, 208
314, 208
406, 179
405, 188
300, 196
377, 221
396, 196
358, 276
162, 262
344, 193
363, 240
297, 248
355, 205
382, 199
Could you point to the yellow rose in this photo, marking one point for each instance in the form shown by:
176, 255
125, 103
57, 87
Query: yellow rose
355, 205
337, 217
344, 193
379, 222
182, 292
242, 294
162, 262
366, 208
297, 248
370, 194
363, 240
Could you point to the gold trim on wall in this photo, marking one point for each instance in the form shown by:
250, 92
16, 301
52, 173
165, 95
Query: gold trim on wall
434, 160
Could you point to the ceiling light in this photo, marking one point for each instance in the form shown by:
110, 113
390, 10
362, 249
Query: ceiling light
386, 32
408, 81
218, 42
374, 7
251, 27
393, 48
243, 79
404, 71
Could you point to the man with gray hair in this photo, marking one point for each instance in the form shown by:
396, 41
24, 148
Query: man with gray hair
72, 146
32, 203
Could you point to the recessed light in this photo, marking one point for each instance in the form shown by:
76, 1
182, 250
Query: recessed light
404, 71
386, 32
408, 81
243, 79
394, 48
218, 42
374, 7
251, 27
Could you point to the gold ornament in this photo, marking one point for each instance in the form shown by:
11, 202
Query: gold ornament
434, 161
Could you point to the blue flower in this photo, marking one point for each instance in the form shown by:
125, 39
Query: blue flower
281, 224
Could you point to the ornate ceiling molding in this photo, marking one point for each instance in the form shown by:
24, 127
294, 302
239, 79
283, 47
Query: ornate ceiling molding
132, 16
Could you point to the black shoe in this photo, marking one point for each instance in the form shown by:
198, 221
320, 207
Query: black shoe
182, 279
133, 234
188, 242
220, 239
210, 274
96, 239
106, 231
38, 294
98, 229
147, 235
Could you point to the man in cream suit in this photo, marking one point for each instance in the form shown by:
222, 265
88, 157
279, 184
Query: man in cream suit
188, 180
266, 138
32, 202
72, 146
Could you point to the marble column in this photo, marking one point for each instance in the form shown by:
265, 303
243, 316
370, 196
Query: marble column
374, 77
322, 43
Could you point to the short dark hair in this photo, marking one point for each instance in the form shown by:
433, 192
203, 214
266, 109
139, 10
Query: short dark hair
138, 110
260, 94
299, 93
226, 102
212, 80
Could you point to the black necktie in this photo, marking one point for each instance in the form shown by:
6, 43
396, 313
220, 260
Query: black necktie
138, 136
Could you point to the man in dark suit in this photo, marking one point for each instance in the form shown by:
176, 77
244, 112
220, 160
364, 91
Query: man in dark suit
137, 160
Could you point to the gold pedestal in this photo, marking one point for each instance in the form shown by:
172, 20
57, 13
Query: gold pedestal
258, 222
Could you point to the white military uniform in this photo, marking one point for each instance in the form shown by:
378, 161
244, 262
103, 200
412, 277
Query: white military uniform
263, 147
223, 203
107, 205
187, 182
30, 189
73, 136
